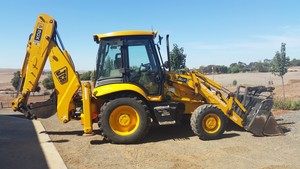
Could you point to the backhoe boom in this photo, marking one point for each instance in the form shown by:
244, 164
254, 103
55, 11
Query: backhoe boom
42, 45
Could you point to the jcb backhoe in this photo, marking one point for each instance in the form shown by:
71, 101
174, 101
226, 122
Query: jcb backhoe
133, 88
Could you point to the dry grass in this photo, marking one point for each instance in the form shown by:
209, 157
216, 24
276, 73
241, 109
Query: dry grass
291, 79
6, 89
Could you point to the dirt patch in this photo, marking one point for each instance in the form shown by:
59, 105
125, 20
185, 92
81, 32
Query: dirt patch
291, 89
291, 79
280, 112
177, 147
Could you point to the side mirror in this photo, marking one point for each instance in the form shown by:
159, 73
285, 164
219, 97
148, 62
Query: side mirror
167, 64
159, 39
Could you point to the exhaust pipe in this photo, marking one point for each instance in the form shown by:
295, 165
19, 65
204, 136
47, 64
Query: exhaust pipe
168, 52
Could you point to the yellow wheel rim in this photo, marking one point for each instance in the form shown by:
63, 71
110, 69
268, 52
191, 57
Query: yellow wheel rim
124, 120
211, 123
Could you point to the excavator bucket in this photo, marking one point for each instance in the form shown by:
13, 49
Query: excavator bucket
44, 109
259, 119
261, 122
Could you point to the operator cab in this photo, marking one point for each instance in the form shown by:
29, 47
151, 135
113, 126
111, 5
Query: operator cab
129, 57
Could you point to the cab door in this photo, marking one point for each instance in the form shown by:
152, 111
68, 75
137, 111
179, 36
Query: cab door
143, 65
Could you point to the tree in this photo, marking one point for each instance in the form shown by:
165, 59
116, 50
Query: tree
202, 69
48, 83
210, 69
37, 89
15, 80
86, 75
279, 65
221, 69
252, 66
234, 69
177, 57
295, 62
261, 67
92, 75
242, 66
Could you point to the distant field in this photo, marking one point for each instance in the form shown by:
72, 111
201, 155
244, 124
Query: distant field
292, 81
6, 75
6, 97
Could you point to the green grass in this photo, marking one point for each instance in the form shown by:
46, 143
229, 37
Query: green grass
286, 104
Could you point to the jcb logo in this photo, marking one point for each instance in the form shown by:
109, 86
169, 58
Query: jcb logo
38, 34
62, 75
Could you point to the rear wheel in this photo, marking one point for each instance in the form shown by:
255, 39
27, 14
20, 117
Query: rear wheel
208, 122
124, 120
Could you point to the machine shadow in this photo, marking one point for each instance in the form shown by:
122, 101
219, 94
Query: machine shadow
158, 133
180, 131
286, 126
77, 132
21, 116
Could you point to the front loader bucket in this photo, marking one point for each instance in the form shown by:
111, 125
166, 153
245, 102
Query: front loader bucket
260, 121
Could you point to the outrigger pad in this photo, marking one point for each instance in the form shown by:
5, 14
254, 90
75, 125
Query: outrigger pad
261, 122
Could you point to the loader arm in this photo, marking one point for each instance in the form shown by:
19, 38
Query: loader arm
210, 91
251, 111
42, 45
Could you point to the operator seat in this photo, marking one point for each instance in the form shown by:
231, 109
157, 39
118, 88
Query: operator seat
117, 66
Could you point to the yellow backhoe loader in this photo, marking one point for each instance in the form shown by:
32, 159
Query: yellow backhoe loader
133, 88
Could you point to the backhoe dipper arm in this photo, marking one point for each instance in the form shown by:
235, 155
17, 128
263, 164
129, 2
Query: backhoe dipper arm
42, 44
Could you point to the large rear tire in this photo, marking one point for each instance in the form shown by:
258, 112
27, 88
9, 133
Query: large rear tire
208, 122
124, 120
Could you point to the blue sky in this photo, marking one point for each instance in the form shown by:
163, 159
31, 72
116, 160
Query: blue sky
211, 32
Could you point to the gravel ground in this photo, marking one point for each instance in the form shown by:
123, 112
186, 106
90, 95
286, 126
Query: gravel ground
177, 147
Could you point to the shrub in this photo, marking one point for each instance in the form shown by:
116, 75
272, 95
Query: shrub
86, 75
234, 82
48, 83
15, 80
287, 104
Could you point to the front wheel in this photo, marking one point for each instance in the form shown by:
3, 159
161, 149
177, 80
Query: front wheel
208, 122
124, 120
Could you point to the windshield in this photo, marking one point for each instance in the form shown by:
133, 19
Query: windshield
109, 60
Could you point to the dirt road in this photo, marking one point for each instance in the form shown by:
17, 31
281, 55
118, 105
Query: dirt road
177, 147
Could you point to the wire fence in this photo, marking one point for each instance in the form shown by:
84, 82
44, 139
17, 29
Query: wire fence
6, 98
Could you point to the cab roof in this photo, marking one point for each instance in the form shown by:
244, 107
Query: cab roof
98, 37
